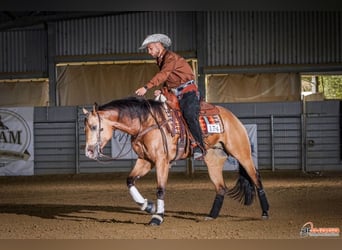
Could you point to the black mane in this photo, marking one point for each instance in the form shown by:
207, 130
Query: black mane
133, 107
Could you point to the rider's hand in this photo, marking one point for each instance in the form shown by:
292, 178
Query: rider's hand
157, 92
141, 91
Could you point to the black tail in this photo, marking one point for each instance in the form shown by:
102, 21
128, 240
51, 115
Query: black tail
244, 189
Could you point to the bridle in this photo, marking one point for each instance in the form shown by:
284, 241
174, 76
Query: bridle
97, 147
98, 141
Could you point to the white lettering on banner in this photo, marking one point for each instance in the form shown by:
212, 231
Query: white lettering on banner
121, 146
16, 141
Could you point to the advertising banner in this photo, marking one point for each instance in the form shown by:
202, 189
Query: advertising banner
121, 146
16, 141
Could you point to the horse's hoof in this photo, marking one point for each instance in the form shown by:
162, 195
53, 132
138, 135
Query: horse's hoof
156, 220
264, 215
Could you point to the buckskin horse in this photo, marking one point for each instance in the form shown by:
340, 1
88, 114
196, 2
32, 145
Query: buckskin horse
159, 137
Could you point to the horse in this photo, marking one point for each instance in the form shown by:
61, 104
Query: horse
153, 128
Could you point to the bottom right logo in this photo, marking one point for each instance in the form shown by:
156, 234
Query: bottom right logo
308, 229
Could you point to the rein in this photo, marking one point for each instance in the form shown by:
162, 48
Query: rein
98, 145
159, 127
136, 137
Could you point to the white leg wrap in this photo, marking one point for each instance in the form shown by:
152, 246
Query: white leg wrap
137, 197
144, 206
160, 206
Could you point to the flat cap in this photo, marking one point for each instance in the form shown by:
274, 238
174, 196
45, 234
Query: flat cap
154, 38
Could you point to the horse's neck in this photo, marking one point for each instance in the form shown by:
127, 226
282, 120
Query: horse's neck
126, 125
127, 128
130, 126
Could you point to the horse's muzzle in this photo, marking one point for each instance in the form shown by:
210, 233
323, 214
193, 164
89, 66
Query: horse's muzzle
92, 152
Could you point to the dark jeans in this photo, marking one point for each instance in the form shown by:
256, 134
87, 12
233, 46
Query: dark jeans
190, 106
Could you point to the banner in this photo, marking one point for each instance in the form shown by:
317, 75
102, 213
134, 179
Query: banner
121, 146
231, 163
16, 141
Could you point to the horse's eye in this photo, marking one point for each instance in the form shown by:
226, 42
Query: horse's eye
93, 127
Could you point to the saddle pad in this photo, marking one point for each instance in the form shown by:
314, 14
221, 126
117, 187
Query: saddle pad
211, 124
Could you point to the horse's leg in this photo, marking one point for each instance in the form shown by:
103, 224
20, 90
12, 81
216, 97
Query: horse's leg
214, 160
162, 172
140, 169
237, 144
249, 177
262, 198
250, 171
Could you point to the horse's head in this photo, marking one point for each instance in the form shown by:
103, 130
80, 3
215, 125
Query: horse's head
98, 131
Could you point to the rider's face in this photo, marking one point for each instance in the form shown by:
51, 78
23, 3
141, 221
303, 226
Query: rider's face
154, 49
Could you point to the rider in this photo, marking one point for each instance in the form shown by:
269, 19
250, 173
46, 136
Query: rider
176, 74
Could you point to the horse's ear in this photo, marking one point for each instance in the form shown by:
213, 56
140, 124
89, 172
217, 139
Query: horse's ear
95, 107
85, 111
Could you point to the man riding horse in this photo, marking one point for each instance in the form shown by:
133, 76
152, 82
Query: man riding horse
176, 76
148, 123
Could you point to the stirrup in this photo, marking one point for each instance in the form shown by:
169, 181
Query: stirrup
198, 156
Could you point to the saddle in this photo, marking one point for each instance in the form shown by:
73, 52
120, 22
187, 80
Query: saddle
206, 108
209, 120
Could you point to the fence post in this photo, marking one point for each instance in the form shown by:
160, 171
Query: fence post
77, 144
272, 143
190, 170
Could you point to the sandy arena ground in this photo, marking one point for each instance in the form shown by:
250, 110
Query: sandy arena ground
98, 206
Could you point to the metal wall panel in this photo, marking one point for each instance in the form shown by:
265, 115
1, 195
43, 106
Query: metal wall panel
123, 33
59, 138
231, 38
323, 136
54, 148
55, 140
23, 51
278, 132
273, 37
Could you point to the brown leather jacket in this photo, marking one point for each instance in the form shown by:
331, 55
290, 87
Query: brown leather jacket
174, 71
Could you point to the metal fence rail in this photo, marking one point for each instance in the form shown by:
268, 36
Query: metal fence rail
307, 142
